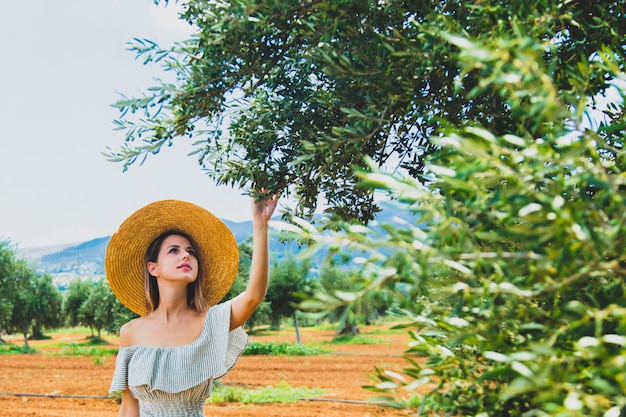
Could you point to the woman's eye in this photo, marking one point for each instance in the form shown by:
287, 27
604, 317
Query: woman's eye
192, 252
173, 250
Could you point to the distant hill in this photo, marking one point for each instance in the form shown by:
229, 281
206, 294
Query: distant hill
86, 259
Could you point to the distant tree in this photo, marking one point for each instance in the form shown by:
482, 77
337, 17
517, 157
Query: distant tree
48, 306
288, 281
76, 295
344, 279
8, 283
24, 301
98, 310
121, 315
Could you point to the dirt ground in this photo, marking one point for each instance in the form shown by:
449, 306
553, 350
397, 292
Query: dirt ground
29, 383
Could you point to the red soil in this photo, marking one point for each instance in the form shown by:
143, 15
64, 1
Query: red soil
341, 375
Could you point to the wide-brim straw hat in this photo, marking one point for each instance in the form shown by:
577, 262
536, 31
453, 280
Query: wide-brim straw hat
124, 259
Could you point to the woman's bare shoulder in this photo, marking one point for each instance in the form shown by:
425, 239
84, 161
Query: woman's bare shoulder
129, 331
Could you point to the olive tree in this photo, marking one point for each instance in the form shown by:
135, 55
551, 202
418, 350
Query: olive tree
48, 305
8, 283
76, 295
288, 282
99, 308
24, 301
515, 262
290, 95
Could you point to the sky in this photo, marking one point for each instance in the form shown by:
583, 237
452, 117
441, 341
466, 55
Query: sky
63, 64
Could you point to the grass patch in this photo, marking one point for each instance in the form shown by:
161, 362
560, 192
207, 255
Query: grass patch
99, 354
89, 341
386, 331
282, 393
358, 339
75, 349
10, 349
266, 331
71, 330
283, 348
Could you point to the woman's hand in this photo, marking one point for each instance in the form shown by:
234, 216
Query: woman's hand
263, 210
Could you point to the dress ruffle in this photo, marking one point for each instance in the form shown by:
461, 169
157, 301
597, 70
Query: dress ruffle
179, 368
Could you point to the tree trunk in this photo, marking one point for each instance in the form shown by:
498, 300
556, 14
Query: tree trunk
37, 334
275, 325
295, 324
25, 339
350, 328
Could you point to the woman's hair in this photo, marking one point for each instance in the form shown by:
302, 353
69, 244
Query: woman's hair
195, 296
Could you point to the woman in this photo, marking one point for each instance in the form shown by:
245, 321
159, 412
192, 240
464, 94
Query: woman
171, 262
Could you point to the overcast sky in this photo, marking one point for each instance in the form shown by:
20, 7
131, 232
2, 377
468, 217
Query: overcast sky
63, 64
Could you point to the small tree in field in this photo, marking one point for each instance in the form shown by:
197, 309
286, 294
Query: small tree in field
24, 301
98, 310
9, 281
76, 295
288, 279
365, 309
48, 306
121, 315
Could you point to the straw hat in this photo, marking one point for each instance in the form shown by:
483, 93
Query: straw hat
124, 259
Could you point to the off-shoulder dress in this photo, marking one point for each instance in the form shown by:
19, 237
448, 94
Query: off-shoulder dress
176, 381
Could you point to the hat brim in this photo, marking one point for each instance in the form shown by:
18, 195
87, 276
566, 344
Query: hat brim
124, 259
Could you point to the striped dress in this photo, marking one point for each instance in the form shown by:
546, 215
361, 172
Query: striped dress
176, 381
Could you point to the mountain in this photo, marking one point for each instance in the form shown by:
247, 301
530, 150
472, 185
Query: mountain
86, 259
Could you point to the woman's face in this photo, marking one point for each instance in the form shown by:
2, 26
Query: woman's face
177, 260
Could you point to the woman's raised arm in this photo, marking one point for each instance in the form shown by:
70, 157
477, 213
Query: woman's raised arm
244, 304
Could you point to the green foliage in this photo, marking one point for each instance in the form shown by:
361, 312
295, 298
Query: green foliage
282, 393
509, 263
98, 310
344, 282
76, 295
92, 304
358, 339
120, 315
290, 95
289, 349
12, 349
9, 281
24, 301
98, 353
47, 307
28, 301
78, 350
288, 282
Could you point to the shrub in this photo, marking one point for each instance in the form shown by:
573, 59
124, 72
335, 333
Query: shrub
289, 349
